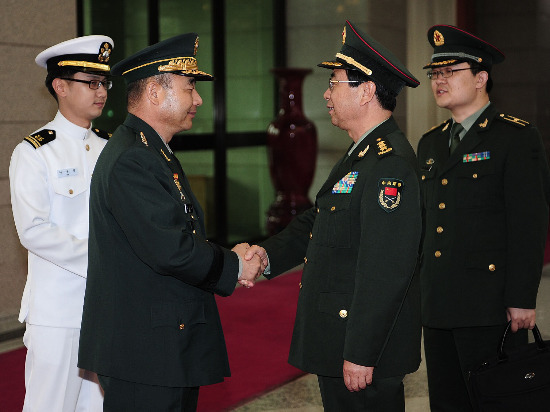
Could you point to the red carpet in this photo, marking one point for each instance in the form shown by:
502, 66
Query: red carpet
257, 324
12, 380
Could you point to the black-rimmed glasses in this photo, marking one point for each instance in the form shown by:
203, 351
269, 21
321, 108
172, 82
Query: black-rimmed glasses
331, 82
92, 84
445, 72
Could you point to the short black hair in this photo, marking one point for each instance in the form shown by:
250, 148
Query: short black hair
59, 73
476, 68
386, 97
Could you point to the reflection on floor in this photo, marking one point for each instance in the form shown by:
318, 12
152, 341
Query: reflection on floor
302, 395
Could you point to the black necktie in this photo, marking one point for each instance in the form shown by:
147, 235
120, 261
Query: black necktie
455, 136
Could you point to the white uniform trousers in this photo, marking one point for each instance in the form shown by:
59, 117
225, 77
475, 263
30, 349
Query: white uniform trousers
53, 382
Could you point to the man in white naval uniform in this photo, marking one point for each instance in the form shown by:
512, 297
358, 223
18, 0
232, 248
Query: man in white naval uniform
50, 173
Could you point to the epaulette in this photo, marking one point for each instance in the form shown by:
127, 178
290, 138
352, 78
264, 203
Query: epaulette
40, 138
102, 133
384, 147
435, 127
512, 119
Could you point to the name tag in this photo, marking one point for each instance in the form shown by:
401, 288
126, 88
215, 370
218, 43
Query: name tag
67, 172
345, 184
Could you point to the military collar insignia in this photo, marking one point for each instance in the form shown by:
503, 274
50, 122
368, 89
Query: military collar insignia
40, 138
436, 126
389, 193
363, 152
383, 147
483, 125
143, 139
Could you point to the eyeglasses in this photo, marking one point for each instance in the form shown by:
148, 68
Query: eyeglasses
92, 84
445, 72
331, 82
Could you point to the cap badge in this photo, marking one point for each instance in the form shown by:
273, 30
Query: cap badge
389, 193
196, 46
344, 35
104, 53
439, 40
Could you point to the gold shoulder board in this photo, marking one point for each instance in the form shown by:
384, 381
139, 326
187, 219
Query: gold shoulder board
40, 138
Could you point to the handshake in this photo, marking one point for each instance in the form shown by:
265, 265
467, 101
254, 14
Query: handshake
254, 259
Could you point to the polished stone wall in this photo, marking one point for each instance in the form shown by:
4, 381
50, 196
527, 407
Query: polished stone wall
26, 28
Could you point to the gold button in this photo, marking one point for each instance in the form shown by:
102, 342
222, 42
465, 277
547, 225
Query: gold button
305, 260
71, 191
444, 182
333, 208
310, 235
317, 210
423, 177
343, 313
194, 231
439, 229
474, 175
492, 267
437, 253
182, 326
87, 147
300, 285
442, 206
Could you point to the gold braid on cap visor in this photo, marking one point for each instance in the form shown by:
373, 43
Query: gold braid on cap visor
181, 64
89, 65
353, 62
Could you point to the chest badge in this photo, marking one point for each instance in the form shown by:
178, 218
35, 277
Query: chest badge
345, 184
389, 193
476, 157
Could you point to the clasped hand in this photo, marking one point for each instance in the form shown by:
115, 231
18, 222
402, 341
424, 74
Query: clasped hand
254, 261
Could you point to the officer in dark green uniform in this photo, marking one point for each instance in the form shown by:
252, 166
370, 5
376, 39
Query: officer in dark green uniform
150, 327
485, 183
358, 319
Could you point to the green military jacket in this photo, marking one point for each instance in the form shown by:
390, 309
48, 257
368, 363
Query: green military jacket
149, 311
359, 298
486, 221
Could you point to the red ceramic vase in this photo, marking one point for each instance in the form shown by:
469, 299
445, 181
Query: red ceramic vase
292, 151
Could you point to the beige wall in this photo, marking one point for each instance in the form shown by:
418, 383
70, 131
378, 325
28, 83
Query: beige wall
26, 28
401, 25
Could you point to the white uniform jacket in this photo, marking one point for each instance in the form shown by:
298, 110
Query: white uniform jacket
50, 173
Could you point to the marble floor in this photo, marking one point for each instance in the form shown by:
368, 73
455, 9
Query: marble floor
302, 394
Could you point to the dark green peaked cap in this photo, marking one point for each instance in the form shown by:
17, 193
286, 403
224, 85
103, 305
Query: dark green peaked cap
453, 45
174, 55
361, 52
